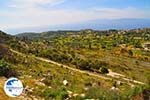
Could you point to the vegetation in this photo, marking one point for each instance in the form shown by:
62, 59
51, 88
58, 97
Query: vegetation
96, 52
6, 70
104, 70
90, 50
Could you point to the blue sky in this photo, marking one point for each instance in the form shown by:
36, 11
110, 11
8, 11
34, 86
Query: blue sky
26, 15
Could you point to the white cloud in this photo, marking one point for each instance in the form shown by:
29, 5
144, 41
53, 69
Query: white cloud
129, 12
33, 3
28, 13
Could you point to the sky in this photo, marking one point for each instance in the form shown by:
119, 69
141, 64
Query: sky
18, 16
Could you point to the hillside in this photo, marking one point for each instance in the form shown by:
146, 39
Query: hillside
4, 37
43, 35
121, 51
40, 76
106, 65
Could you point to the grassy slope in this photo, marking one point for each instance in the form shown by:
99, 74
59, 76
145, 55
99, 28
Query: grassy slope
121, 64
32, 71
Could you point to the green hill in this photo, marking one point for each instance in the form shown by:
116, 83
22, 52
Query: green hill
104, 65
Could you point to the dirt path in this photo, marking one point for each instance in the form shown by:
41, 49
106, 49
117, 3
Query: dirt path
65, 66
117, 75
111, 74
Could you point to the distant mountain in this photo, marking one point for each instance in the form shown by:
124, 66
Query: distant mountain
99, 24
48, 34
28, 35
51, 34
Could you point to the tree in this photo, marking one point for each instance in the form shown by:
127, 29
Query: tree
138, 44
83, 64
104, 70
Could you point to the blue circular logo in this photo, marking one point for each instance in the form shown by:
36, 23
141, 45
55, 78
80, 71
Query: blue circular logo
13, 87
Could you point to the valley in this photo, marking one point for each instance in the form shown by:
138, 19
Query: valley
103, 65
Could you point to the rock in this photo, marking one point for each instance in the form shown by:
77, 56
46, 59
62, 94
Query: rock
30, 90
44, 75
82, 95
118, 83
72, 73
27, 89
70, 94
49, 87
65, 82
132, 86
34, 98
74, 95
67, 99
42, 79
86, 88
48, 72
40, 83
114, 88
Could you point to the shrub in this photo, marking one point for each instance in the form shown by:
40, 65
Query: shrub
130, 52
94, 64
48, 94
104, 70
6, 70
83, 64
57, 94
101, 94
62, 94
134, 91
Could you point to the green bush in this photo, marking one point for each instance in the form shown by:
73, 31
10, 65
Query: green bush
134, 91
6, 70
56, 94
104, 70
62, 94
130, 52
83, 64
101, 94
